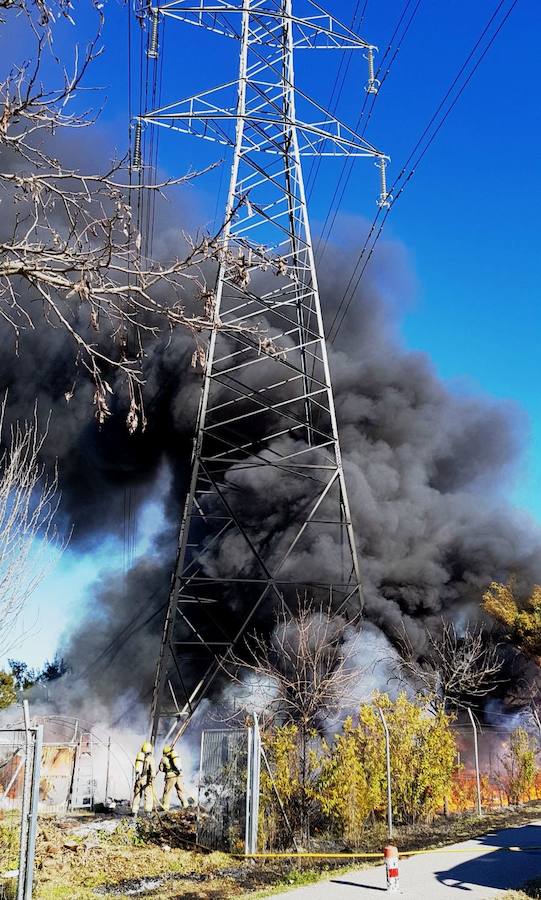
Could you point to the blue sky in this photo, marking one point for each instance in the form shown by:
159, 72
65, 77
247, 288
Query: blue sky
469, 219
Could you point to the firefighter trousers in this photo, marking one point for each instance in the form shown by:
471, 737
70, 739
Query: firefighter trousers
142, 791
176, 782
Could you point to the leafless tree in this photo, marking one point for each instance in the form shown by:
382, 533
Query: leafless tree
456, 667
68, 238
306, 671
29, 543
304, 674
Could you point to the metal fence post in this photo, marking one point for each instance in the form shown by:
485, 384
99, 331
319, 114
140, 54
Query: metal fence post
256, 763
388, 766
33, 812
107, 773
477, 775
536, 718
25, 805
252, 788
247, 823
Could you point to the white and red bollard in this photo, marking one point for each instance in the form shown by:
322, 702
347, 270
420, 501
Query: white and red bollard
391, 868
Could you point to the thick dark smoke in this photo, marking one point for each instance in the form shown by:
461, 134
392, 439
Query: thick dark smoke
425, 468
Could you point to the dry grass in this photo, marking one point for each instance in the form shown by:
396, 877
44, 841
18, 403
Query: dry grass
530, 890
441, 831
72, 866
75, 866
513, 895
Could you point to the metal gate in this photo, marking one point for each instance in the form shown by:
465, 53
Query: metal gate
228, 800
20, 760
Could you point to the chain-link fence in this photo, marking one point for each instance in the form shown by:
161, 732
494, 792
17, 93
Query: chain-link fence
503, 778
12, 770
395, 775
81, 769
229, 776
20, 760
222, 789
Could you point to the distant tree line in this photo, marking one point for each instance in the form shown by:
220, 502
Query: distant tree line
22, 677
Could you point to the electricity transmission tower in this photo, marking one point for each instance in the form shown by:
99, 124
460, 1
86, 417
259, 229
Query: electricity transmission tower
267, 513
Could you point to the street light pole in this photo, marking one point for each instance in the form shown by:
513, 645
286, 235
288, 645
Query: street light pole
478, 778
388, 766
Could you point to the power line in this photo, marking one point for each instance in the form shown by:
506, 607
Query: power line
347, 168
375, 232
343, 70
122, 636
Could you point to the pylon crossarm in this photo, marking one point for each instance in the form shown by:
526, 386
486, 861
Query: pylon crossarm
343, 141
316, 32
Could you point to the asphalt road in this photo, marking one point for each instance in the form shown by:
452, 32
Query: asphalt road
473, 870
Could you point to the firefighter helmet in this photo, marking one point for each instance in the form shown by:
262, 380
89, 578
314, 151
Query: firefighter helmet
147, 747
167, 750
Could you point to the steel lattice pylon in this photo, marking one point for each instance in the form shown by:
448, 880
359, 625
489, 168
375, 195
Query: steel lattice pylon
267, 512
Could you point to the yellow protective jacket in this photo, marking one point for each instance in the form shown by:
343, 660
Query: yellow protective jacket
145, 767
170, 764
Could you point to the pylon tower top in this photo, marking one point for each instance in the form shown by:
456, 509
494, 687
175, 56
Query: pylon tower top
267, 514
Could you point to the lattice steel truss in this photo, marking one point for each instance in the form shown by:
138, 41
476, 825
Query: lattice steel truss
267, 513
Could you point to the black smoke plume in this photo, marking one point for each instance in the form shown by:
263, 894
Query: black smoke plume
425, 468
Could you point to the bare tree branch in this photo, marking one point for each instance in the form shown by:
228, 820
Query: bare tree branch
306, 671
455, 667
70, 242
29, 543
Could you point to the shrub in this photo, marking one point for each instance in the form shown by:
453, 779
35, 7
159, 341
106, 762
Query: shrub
519, 766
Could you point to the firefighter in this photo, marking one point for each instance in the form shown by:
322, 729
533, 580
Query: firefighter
145, 774
171, 767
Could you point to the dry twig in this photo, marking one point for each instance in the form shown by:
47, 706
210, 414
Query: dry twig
456, 667
69, 240
29, 543
307, 670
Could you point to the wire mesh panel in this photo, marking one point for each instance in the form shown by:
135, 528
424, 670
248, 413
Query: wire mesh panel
57, 774
20, 753
508, 775
84, 783
221, 818
12, 776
